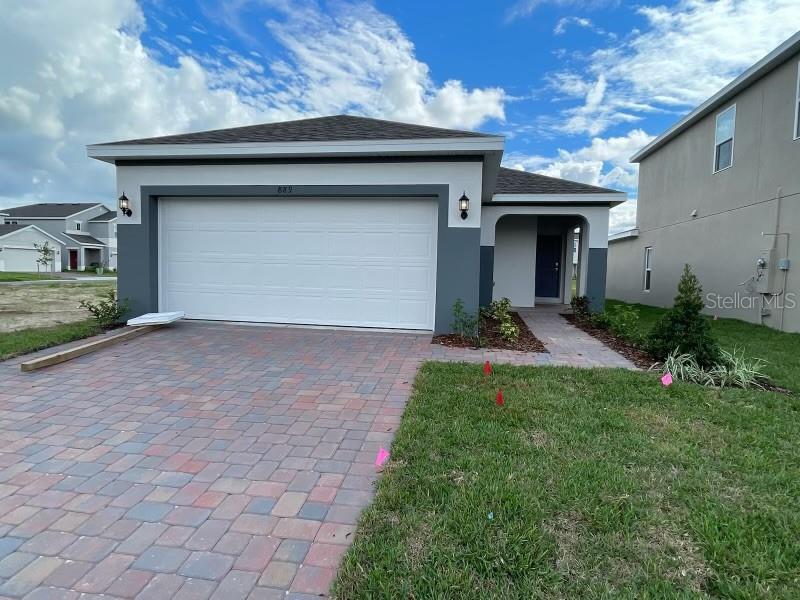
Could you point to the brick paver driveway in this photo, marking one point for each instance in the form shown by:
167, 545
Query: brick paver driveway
200, 460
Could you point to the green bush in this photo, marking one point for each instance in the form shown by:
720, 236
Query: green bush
683, 329
108, 310
465, 323
500, 311
623, 321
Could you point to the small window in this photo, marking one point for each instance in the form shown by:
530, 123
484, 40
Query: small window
723, 139
77, 225
648, 267
797, 106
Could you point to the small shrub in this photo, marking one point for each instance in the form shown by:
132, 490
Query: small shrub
499, 309
465, 323
623, 321
683, 328
580, 307
509, 330
108, 310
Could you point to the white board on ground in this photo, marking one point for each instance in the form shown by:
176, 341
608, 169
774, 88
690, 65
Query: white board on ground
161, 318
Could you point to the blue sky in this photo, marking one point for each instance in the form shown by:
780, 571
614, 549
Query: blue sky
576, 86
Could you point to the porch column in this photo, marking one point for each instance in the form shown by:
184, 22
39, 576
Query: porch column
81, 258
596, 260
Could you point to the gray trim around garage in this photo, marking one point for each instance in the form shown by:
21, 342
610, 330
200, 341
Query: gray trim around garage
458, 254
596, 278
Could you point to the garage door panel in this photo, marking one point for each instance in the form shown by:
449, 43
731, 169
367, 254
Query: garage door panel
367, 262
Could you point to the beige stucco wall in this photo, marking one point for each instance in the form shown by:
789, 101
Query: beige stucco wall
723, 241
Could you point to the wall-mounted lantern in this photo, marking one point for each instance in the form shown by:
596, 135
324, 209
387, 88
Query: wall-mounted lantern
125, 205
463, 205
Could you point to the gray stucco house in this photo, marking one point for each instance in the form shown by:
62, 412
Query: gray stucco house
85, 232
719, 190
346, 221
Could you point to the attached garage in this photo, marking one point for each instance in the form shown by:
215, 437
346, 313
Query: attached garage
368, 262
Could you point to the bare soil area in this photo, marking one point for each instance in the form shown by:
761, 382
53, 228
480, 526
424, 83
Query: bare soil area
45, 305
491, 338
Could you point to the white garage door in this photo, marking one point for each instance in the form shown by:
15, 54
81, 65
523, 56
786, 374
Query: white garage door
325, 261
18, 259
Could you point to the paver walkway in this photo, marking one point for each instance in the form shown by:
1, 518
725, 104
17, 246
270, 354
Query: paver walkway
567, 344
199, 461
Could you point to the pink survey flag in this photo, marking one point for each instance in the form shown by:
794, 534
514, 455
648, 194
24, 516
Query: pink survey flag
383, 456
667, 378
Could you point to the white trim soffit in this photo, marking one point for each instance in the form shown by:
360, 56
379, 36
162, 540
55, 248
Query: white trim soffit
455, 146
610, 198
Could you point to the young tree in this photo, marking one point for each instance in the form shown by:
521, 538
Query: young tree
684, 327
46, 255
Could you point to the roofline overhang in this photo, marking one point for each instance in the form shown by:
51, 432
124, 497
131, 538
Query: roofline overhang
54, 218
39, 229
767, 64
600, 198
624, 235
489, 147
438, 146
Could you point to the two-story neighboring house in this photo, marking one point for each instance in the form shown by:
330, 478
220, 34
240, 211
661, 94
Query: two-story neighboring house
720, 190
86, 232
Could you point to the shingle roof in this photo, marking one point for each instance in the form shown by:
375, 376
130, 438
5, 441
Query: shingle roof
107, 216
46, 209
84, 239
6, 229
320, 129
512, 181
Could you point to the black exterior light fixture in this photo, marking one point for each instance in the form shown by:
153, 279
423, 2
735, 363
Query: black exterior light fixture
463, 205
125, 205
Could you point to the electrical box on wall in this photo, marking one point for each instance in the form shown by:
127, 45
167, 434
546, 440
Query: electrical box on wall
765, 267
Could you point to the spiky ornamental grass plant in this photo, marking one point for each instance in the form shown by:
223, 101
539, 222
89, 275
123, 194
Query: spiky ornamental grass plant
734, 369
683, 329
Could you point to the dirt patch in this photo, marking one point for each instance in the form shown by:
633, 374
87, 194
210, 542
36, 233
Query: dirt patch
637, 356
46, 305
491, 338
687, 564
535, 438
567, 530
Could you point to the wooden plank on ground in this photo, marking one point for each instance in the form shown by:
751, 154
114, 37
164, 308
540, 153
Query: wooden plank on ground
88, 347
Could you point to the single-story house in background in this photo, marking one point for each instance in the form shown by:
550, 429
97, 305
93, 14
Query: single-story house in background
346, 221
17, 250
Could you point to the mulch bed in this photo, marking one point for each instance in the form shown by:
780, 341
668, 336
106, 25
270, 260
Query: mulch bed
637, 356
491, 338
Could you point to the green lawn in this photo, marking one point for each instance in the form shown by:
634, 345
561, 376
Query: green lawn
780, 350
29, 340
12, 276
600, 483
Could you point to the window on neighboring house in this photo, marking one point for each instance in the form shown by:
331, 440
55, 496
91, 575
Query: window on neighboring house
648, 267
723, 139
77, 225
797, 106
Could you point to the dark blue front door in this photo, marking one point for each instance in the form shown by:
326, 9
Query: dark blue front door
548, 265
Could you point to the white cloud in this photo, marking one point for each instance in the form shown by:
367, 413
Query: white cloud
565, 23
76, 80
687, 53
603, 162
622, 217
525, 8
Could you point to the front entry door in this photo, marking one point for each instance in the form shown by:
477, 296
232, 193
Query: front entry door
73, 260
548, 265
